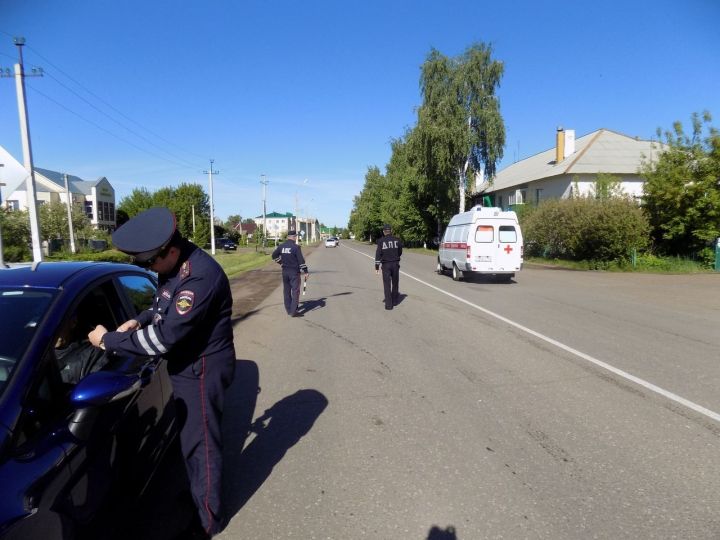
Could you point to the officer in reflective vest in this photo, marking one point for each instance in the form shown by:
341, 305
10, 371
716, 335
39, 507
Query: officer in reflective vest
189, 326
387, 255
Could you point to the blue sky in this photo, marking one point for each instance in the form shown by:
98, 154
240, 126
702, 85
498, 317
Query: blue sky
145, 93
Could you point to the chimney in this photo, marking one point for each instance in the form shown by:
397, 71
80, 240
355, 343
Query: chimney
569, 143
559, 144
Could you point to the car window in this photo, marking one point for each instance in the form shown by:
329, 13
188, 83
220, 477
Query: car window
21, 312
140, 290
484, 233
47, 404
507, 234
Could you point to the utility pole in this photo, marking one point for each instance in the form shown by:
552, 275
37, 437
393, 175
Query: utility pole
212, 209
69, 210
264, 184
27, 148
193, 216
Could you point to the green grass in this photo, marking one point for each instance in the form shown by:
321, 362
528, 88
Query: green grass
233, 262
242, 260
644, 264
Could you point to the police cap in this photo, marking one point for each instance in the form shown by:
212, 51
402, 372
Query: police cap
146, 234
292, 232
387, 227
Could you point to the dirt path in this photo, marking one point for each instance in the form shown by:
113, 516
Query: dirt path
250, 288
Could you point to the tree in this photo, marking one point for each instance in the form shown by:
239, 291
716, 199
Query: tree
365, 217
54, 222
682, 190
460, 129
607, 186
138, 201
15, 226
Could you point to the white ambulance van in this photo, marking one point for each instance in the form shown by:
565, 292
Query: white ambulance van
482, 241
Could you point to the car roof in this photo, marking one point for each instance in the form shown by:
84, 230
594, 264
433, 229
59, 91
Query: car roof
54, 274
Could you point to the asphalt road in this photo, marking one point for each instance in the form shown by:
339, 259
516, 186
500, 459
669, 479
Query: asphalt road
562, 405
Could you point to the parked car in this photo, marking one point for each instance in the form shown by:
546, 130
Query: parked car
331, 242
78, 447
228, 245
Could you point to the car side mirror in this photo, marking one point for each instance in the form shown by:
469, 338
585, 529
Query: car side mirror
94, 391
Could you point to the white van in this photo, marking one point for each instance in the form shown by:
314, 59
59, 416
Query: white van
482, 241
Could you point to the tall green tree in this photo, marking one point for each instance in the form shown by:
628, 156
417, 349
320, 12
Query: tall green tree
460, 130
138, 201
366, 217
682, 189
54, 220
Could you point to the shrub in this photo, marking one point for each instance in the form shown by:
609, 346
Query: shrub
585, 229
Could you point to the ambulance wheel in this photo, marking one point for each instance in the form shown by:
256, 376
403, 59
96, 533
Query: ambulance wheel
439, 269
456, 273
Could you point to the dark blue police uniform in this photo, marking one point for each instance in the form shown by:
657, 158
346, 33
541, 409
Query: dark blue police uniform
387, 254
189, 325
289, 255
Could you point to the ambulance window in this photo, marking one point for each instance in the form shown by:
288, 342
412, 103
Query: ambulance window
507, 234
484, 233
455, 234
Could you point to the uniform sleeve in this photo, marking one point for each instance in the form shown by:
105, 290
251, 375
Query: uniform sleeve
276, 254
400, 246
144, 317
378, 255
190, 305
301, 261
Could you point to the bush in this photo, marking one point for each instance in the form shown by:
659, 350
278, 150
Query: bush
585, 229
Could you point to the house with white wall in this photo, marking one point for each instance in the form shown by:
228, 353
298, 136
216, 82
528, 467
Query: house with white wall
96, 197
571, 169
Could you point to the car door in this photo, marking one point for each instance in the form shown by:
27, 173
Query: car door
83, 486
508, 247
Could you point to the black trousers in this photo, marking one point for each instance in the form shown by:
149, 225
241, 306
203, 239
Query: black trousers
291, 290
200, 393
391, 276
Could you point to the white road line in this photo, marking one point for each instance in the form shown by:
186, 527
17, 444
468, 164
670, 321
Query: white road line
619, 372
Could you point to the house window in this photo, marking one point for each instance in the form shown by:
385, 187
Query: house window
538, 196
13, 205
499, 201
89, 209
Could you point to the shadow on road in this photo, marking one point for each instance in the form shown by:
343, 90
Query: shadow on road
277, 430
317, 303
436, 533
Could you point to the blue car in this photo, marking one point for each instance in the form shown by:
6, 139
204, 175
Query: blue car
82, 434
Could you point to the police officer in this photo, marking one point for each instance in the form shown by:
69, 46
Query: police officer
387, 254
189, 326
289, 255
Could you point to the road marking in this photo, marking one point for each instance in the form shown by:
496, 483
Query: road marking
619, 372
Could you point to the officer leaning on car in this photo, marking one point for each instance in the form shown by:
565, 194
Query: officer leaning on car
289, 256
189, 326
387, 254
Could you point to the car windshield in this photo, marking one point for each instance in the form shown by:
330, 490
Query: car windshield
20, 312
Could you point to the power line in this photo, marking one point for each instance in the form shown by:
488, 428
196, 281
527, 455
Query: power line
193, 165
98, 126
112, 107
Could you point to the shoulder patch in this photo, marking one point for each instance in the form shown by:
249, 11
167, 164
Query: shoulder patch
185, 270
166, 294
184, 302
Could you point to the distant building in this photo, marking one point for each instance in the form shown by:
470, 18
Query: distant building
97, 198
279, 224
571, 169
